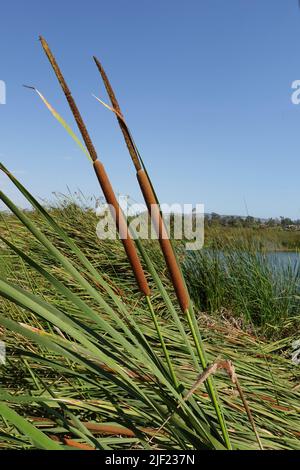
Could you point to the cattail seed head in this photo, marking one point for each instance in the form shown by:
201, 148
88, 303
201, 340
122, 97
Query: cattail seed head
166, 247
122, 227
116, 107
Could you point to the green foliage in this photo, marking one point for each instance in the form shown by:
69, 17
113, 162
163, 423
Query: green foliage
83, 326
251, 285
76, 362
265, 238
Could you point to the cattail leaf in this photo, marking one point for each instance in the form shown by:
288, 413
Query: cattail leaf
38, 438
64, 124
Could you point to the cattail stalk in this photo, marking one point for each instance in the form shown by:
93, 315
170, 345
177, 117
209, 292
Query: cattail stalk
128, 139
164, 240
166, 246
150, 199
111, 199
103, 179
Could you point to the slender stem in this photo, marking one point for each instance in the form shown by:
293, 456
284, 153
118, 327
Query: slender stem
103, 179
162, 342
211, 389
166, 246
164, 240
150, 198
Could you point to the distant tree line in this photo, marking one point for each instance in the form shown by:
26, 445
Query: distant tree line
249, 221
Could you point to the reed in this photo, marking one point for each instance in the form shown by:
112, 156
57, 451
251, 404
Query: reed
253, 286
88, 350
102, 177
150, 199
38, 380
111, 199
80, 334
156, 216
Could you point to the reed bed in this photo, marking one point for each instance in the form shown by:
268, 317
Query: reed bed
53, 391
264, 238
255, 287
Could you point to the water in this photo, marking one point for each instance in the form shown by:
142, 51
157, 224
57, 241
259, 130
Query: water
280, 261
284, 259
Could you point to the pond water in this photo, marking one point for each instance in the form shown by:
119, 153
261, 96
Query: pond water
279, 260
285, 259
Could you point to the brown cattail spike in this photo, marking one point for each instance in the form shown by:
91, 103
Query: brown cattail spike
122, 227
164, 241
115, 105
150, 199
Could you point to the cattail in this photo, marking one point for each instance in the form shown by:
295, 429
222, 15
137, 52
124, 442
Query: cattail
123, 126
150, 199
122, 227
103, 179
166, 247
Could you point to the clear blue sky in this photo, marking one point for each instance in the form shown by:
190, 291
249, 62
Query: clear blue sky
205, 86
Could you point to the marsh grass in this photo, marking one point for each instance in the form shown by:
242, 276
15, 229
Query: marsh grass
80, 334
263, 238
82, 404
250, 284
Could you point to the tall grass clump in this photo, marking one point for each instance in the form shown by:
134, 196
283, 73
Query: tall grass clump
249, 284
90, 334
81, 401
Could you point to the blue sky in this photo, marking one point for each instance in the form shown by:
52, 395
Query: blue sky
205, 86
